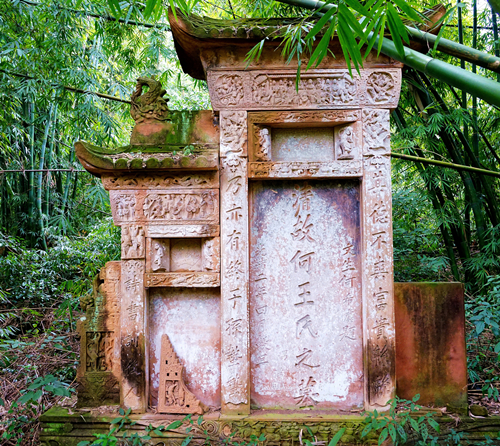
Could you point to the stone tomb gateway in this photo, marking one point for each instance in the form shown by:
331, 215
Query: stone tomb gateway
256, 279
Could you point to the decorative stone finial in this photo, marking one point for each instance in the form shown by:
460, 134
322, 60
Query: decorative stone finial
150, 112
150, 105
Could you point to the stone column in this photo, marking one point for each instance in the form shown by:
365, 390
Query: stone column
132, 319
378, 282
235, 364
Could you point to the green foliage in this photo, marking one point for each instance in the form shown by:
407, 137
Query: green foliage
403, 424
36, 277
27, 407
483, 339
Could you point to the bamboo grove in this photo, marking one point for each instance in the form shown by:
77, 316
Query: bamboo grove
52, 54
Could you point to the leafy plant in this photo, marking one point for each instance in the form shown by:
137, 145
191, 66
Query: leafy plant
30, 404
402, 423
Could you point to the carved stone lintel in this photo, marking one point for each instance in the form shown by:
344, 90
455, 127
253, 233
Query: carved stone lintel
275, 89
335, 169
173, 231
161, 181
173, 395
201, 279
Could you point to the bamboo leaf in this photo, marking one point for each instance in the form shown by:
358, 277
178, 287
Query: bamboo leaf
394, 16
321, 22
396, 37
150, 5
322, 47
408, 10
354, 4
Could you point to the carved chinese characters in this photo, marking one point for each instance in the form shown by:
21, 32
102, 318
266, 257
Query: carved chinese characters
305, 297
234, 268
276, 89
132, 335
377, 253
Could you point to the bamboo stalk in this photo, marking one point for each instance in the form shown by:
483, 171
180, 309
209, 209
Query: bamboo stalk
463, 52
49, 161
436, 204
495, 36
445, 164
40, 175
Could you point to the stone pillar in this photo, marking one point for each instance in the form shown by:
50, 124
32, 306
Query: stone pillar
378, 302
235, 367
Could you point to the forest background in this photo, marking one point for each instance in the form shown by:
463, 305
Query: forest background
67, 72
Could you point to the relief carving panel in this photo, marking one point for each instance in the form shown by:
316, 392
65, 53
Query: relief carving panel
275, 89
165, 207
341, 169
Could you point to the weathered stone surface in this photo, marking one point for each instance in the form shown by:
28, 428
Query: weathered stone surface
165, 207
191, 319
99, 372
318, 89
430, 345
305, 295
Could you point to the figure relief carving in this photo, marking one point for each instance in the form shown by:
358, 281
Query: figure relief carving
376, 131
233, 127
132, 242
229, 89
263, 146
345, 143
179, 206
160, 255
279, 90
173, 395
211, 254
208, 180
99, 351
380, 87
125, 207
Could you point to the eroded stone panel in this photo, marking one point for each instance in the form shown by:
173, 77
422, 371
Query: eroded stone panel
191, 319
305, 295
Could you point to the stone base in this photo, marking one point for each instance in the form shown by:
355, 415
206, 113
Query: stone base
63, 427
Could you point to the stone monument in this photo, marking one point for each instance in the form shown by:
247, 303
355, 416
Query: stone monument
256, 279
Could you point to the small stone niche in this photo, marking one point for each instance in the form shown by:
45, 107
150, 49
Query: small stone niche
182, 255
318, 143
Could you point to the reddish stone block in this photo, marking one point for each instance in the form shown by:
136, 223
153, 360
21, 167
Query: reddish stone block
430, 343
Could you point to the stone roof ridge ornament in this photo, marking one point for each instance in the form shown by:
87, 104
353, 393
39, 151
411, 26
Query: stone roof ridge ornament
150, 112
150, 104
